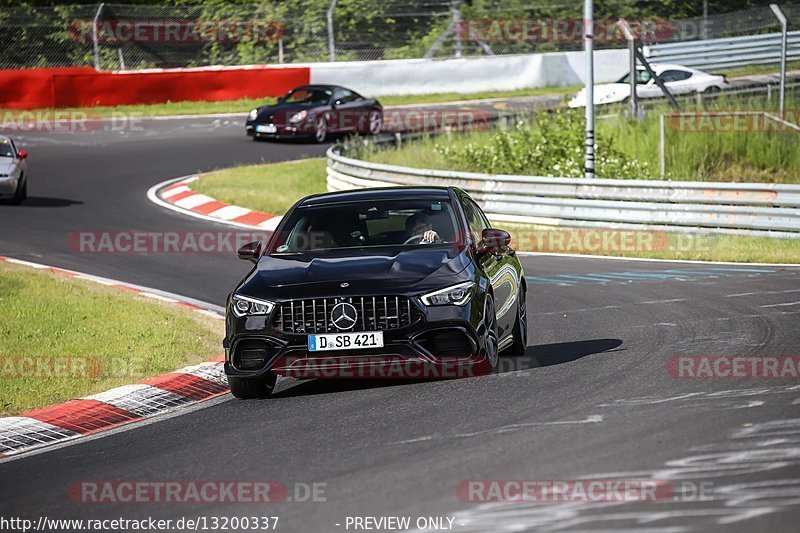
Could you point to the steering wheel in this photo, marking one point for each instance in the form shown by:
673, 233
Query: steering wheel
416, 239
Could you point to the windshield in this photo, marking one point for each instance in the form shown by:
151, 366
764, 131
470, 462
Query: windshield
642, 77
384, 223
307, 96
5, 148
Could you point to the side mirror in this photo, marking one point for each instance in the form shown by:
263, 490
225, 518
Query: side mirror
22, 154
250, 251
494, 241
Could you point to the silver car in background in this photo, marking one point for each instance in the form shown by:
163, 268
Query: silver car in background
13, 171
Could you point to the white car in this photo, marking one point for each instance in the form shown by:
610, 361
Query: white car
13, 171
678, 79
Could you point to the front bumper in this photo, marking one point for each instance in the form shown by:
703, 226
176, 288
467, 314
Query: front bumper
444, 344
281, 132
8, 186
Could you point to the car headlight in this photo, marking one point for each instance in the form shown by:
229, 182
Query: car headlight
253, 114
297, 117
454, 295
246, 306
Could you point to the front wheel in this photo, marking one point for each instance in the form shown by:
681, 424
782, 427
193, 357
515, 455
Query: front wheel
250, 388
375, 122
520, 331
22, 192
490, 344
321, 129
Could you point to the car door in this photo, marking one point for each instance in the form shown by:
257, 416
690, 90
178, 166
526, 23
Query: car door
351, 113
649, 90
498, 267
678, 81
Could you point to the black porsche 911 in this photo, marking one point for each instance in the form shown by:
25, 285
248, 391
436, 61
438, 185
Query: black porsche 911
387, 282
316, 112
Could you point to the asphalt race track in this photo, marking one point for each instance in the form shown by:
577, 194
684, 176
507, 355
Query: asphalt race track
592, 397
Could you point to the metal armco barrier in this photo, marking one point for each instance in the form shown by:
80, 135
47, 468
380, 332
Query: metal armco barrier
740, 208
727, 52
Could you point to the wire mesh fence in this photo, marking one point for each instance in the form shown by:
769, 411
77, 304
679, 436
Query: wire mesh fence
119, 36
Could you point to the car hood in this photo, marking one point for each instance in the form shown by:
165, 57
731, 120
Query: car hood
282, 112
606, 93
7, 165
394, 271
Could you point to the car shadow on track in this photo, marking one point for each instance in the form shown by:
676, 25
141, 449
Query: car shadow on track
44, 201
562, 352
535, 356
330, 386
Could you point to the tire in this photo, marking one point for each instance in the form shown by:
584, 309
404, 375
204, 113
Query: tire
711, 90
375, 122
251, 388
490, 343
520, 331
22, 193
321, 129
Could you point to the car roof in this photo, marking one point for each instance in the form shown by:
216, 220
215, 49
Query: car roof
661, 67
377, 193
321, 87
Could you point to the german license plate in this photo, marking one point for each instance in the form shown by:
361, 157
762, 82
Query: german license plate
345, 341
266, 128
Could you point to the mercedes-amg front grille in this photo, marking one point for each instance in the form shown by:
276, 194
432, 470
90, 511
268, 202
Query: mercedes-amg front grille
373, 313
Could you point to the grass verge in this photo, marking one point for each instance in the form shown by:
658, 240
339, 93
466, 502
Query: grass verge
246, 104
62, 338
271, 188
274, 187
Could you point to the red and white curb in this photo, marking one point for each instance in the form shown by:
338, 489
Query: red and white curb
98, 412
178, 196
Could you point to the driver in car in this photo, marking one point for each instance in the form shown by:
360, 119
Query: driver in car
420, 225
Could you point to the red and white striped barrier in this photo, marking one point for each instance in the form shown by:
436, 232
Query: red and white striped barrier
180, 197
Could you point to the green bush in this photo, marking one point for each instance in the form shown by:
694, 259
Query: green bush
550, 145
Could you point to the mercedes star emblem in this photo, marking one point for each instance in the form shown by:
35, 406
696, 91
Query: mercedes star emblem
343, 315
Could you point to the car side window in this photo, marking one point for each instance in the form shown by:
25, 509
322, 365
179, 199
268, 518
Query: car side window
675, 75
344, 96
475, 219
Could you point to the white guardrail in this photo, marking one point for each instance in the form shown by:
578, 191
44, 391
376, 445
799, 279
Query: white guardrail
762, 209
764, 49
